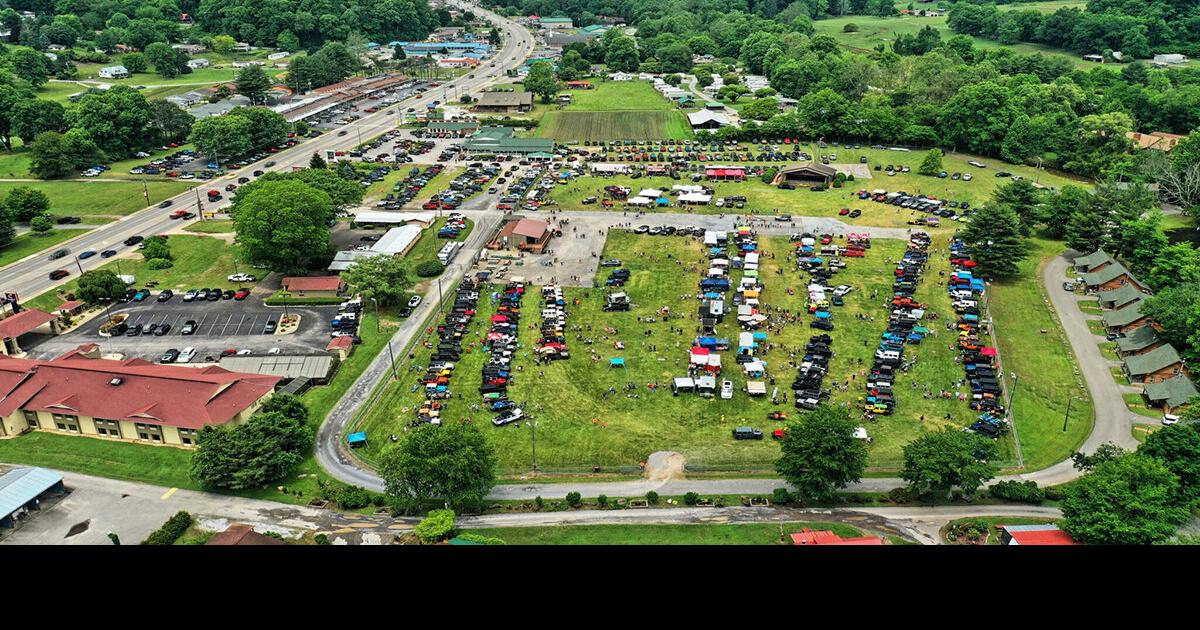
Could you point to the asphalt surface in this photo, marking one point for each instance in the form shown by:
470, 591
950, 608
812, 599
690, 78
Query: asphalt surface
29, 277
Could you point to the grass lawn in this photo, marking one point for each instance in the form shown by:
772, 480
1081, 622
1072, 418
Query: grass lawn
1044, 364
618, 96
439, 183
614, 109
199, 261
1137, 405
428, 246
876, 30
580, 424
1143, 431
1091, 307
31, 243
1181, 227
211, 226
766, 199
705, 534
99, 200
990, 523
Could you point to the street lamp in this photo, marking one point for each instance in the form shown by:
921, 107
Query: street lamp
377, 316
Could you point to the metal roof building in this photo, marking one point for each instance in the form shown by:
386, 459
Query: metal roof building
313, 366
21, 489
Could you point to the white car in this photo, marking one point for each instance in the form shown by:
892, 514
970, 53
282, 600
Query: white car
242, 353
842, 290
186, 355
726, 390
508, 417
274, 351
977, 164
1169, 419
242, 277
414, 301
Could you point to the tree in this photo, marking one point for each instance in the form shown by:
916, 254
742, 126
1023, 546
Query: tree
317, 162
820, 454
135, 62
283, 224
621, 53
48, 157
675, 57
100, 286
1127, 501
760, 108
24, 203
222, 137
1176, 311
253, 83
1106, 452
1024, 198
170, 120
263, 450
33, 116
156, 247
223, 44
342, 192
41, 224
1174, 265
938, 461
118, 120
1178, 447
384, 278
167, 62
541, 81
288, 41
1060, 207
494, 37
30, 65
994, 236
978, 116
287, 404
453, 462
932, 164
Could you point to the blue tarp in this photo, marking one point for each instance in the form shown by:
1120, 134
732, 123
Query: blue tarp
822, 314
616, 362
760, 336
355, 439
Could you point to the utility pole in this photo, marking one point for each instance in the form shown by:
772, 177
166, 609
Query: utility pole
78, 264
392, 356
1068, 414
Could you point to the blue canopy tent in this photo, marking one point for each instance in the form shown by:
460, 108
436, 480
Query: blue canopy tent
712, 295
619, 362
977, 285
822, 314
760, 336
707, 342
662, 201
356, 440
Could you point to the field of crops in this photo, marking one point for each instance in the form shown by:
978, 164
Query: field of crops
567, 126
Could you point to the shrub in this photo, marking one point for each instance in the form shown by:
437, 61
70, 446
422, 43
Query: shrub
850, 27
483, 540
1021, 492
378, 500
429, 268
171, 530
602, 500
159, 263
900, 495
351, 497
691, 498
539, 501
436, 527
1052, 493
652, 497
321, 539
574, 499
780, 496
41, 223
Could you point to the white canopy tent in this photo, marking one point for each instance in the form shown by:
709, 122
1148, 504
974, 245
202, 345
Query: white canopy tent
640, 201
695, 198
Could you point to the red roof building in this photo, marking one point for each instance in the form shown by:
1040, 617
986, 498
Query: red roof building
1048, 534
242, 534
26, 321
809, 537
313, 284
526, 234
131, 399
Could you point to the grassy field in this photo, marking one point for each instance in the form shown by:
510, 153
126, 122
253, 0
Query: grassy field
32, 243
199, 261
705, 534
428, 246
581, 423
766, 199
579, 126
97, 199
211, 226
1034, 347
614, 109
1137, 405
438, 184
875, 30
1143, 431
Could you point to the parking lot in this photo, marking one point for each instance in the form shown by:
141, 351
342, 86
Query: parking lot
221, 325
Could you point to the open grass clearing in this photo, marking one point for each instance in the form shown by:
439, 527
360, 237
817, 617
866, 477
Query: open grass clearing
704, 534
428, 246
1137, 405
582, 424
606, 125
99, 199
1143, 431
211, 226
614, 96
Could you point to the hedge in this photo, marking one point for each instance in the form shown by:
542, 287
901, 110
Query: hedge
438, 526
1021, 492
429, 268
171, 530
483, 540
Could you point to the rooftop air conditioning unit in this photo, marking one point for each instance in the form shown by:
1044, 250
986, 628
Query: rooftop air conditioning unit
117, 380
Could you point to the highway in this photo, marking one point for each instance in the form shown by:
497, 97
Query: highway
29, 277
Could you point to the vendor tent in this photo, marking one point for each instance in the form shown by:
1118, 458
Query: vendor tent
640, 201
695, 198
618, 362
756, 388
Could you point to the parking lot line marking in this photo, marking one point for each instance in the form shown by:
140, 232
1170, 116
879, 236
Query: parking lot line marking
167, 495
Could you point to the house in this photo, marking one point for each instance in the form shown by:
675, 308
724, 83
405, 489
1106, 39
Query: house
557, 39
595, 30
500, 140
1170, 59
1171, 394
457, 62
314, 286
806, 174
446, 34
114, 72
558, 23
452, 129
1119, 297
341, 347
22, 491
706, 119
826, 537
242, 534
1048, 534
1110, 277
1154, 366
26, 321
523, 234
242, 47
276, 56
79, 393
1140, 341
196, 64
246, 64
504, 102
191, 49
621, 76
1094, 58
1092, 262
1127, 319
185, 100
1155, 141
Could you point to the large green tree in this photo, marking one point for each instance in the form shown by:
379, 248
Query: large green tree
1178, 447
938, 461
23, 203
1131, 500
932, 163
385, 278
542, 82
997, 245
820, 454
1176, 311
453, 462
30, 65
284, 225
253, 83
261, 451
34, 116
100, 286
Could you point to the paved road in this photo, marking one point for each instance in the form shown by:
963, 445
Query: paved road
29, 276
